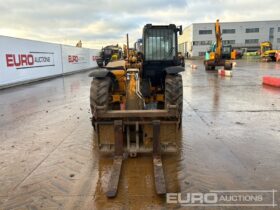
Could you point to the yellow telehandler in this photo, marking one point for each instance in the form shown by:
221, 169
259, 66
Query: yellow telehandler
137, 103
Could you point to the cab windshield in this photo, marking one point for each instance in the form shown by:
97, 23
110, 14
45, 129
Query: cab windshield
160, 44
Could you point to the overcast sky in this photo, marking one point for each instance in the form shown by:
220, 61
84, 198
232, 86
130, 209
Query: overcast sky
101, 22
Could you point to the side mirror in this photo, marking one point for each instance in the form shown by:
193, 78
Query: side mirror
180, 30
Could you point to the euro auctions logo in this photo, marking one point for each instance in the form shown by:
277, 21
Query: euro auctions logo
73, 58
30, 60
264, 198
76, 59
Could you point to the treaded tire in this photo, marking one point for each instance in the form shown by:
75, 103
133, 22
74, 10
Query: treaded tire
174, 92
228, 66
99, 93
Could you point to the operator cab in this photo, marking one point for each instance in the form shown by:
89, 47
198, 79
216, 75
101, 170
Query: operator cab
160, 48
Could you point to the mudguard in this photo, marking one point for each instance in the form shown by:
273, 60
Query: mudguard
174, 69
99, 73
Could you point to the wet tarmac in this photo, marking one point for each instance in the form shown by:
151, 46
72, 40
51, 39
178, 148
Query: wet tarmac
230, 141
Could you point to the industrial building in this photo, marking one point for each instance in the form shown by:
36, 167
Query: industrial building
247, 36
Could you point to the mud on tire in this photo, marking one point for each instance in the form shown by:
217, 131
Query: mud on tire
174, 92
99, 93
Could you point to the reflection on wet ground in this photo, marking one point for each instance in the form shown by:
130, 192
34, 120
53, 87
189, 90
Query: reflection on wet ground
49, 160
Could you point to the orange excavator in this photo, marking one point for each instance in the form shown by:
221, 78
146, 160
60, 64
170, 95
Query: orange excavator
215, 58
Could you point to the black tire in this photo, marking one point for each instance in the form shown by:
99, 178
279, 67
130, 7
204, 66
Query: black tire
207, 67
99, 93
228, 66
100, 63
174, 92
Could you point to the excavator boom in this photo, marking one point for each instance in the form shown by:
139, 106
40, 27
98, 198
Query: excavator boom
218, 39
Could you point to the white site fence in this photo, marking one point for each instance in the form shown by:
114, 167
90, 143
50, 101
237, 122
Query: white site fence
24, 60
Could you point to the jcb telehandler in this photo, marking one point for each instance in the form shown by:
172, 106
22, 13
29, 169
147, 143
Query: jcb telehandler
136, 103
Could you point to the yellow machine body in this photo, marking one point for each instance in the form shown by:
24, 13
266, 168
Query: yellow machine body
267, 53
212, 55
215, 57
233, 55
120, 77
137, 103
